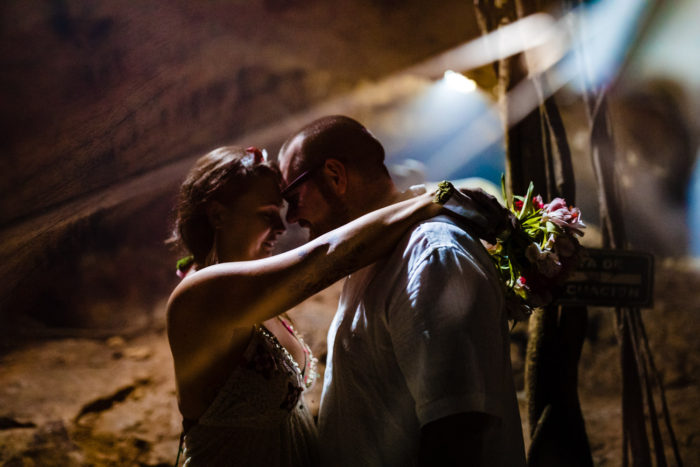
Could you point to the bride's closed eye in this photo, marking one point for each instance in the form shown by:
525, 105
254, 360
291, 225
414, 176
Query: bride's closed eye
273, 216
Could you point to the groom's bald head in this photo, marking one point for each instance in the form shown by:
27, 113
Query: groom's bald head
334, 171
338, 137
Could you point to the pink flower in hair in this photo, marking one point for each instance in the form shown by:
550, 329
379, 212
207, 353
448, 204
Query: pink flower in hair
258, 156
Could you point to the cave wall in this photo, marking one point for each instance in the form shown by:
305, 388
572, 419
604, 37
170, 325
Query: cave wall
100, 94
96, 92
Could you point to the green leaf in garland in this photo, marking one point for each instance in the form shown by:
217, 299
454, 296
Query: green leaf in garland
527, 204
503, 190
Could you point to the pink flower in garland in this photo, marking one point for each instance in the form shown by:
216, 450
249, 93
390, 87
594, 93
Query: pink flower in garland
537, 202
567, 218
555, 205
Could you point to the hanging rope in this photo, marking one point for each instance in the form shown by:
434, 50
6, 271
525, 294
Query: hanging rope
635, 354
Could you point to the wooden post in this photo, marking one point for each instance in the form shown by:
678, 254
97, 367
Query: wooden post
537, 150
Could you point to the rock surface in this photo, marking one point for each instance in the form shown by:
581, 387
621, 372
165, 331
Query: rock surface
111, 402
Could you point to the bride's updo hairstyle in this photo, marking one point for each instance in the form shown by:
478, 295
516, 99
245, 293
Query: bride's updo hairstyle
220, 175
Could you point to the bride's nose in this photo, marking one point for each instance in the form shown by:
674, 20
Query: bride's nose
278, 226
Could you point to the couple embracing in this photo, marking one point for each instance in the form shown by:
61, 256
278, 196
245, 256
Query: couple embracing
418, 369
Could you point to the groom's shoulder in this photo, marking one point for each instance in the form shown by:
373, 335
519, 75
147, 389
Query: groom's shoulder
430, 235
443, 239
438, 231
436, 241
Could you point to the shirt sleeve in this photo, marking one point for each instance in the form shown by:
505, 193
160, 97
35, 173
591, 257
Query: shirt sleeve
445, 328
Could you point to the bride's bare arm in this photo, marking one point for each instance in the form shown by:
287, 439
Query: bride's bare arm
211, 312
239, 294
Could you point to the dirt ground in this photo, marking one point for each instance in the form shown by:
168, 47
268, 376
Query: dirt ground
111, 401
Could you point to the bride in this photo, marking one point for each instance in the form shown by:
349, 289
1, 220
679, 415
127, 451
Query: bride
240, 367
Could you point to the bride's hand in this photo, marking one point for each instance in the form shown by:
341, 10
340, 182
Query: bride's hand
486, 217
500, 221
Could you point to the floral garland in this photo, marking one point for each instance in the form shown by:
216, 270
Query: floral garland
534, 255
538, 255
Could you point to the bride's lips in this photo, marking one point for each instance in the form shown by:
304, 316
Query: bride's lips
269, 243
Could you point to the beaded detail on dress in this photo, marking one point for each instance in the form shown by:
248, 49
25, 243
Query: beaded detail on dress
309, 372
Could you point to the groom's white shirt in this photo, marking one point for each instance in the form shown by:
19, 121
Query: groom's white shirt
417, 337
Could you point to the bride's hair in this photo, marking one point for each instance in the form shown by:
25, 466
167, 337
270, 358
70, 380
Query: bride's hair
220, 175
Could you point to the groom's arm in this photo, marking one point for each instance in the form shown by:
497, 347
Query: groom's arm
455, 440
447, 336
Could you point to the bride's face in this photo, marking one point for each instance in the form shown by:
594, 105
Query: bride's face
254, 222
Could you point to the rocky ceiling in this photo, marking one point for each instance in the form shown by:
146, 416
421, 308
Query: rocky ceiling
106, 101
106, 104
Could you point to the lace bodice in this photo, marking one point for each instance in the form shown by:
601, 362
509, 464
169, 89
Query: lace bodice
266, 385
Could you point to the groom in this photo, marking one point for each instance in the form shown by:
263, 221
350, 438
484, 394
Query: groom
418, 369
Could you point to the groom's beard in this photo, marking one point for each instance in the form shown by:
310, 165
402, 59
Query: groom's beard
338, 213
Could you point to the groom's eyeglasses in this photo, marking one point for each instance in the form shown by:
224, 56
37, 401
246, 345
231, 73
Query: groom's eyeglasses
297, 182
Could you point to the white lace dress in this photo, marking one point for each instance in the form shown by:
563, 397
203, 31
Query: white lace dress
258, 418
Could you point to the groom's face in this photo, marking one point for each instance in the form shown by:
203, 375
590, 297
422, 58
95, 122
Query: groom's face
312, 203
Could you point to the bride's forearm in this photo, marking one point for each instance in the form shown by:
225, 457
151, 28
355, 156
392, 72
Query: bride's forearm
306, 270
362, 241
258, 290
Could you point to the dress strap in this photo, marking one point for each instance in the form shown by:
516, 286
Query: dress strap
288, 326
